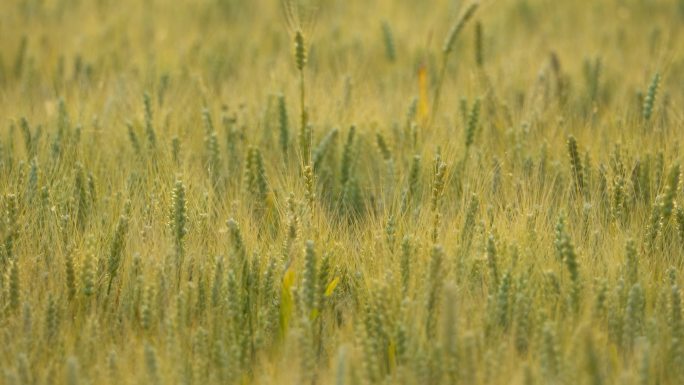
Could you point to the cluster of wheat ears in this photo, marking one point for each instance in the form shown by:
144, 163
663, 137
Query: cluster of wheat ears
237, 192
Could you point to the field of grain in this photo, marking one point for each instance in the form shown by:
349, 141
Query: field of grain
341, 192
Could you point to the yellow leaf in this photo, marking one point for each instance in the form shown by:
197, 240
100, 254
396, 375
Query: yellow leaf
423, 106
288, 279
286, 300
331, 286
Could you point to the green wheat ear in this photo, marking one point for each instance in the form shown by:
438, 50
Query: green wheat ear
576, 164
492, 260
479, 50
671, 189
178, 221
283, 125
651, 94
473, 121
117, 246
309, 279
388, 38
300, 50
88, 270
14, 287
70, 271
213, 157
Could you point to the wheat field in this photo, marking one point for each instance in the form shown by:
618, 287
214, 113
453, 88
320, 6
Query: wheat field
341, 192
